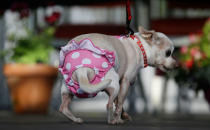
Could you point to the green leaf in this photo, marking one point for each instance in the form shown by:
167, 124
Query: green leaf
35, 48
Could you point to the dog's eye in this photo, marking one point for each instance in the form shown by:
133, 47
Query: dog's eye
168, 53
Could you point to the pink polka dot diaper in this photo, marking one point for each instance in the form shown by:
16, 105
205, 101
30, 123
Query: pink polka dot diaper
84, 54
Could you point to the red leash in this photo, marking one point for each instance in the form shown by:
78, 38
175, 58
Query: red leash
128, 18
128, 9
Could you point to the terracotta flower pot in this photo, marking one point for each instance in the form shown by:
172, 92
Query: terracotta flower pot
30, 86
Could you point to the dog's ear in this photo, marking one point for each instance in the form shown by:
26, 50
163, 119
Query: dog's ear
146, 34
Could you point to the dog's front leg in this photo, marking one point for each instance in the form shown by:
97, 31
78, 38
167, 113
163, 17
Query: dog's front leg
64, 108
125, 116
125, 83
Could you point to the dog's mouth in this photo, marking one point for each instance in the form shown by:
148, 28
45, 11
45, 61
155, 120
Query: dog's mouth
164, 68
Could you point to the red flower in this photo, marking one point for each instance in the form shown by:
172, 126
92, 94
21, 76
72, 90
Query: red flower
22, 8
194, 38
183, 49
208, 20
24, 13
189, 63
18, 6
53, 18
196, 53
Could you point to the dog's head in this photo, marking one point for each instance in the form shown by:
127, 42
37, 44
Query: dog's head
162, 48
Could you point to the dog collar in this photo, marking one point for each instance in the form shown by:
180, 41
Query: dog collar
141, 48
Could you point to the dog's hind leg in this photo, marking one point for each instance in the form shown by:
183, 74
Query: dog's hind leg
112, 90
64, 108
110, 113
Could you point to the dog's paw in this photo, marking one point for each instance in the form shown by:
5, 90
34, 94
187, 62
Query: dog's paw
125, 116
78, 120
116, 121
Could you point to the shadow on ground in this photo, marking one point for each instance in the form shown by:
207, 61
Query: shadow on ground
56, 121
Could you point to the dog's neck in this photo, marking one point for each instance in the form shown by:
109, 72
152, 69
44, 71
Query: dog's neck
148, 51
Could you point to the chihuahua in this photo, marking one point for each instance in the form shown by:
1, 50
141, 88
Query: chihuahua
122, 56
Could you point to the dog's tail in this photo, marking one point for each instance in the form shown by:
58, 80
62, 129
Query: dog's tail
84, 83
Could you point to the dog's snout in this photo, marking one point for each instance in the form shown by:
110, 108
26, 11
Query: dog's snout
176, 62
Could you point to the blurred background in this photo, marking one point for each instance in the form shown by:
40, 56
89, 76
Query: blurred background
32, 32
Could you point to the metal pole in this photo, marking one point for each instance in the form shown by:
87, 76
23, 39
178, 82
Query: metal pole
4, 94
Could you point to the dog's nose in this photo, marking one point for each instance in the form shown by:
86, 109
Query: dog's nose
177, 64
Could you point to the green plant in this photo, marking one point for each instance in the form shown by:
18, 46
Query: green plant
35, 48
29, 46
195, 61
